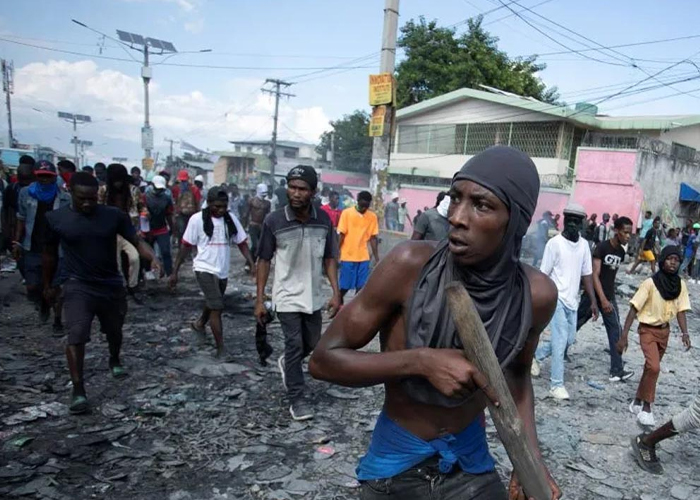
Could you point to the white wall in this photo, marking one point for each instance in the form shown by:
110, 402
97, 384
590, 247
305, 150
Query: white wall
447, 165
688, 136
474, 111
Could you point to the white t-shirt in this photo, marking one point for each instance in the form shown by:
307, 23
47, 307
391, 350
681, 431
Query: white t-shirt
566, 262
213, 255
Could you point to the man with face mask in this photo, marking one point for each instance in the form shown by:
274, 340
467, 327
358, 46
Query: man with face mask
432, 224
567, 261
36, 201
658, 300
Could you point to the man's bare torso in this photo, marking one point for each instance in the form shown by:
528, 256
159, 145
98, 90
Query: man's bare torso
425, 421
258, 210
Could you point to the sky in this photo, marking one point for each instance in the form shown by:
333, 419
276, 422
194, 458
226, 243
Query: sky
326, 47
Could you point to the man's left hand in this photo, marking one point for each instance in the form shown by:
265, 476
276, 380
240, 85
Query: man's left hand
334, 305
515, 489
686, 341
594, 311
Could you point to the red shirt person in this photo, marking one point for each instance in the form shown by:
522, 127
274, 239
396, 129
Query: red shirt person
187, 199
333, 208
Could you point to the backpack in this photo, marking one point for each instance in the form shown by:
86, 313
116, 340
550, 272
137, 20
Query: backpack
186, 203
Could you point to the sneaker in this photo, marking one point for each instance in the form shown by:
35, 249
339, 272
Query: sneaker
625, 375
281, 365
535, 368
301, 411
635, 408
646, 418
559, 393
646, 456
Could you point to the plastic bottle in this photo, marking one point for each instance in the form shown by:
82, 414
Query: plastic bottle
144, 223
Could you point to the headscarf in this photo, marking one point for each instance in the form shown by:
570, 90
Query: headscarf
668, 284
261, 191
498, 286
217, 194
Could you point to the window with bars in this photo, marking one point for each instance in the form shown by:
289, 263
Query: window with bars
537, 139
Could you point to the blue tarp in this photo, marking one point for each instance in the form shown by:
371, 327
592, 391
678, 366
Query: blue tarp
689, 193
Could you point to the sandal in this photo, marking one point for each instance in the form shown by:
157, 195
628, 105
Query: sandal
78, 405
118, 372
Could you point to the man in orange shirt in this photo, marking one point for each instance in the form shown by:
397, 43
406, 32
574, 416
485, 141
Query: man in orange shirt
357, 226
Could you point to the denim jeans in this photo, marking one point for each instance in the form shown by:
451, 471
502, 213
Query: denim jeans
392, 224
425, 481
563, 329
612, 327
686, 262
163, 242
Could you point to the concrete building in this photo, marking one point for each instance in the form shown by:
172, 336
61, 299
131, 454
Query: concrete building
289, 154
577, 151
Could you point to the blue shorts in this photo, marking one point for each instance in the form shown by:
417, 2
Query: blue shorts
353, 275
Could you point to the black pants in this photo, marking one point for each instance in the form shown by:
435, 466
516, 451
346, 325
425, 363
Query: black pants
612, 327
301, 334
425, 481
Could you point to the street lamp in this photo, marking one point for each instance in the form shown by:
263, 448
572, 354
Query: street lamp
75, 119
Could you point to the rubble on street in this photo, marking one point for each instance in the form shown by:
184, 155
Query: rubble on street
186, 426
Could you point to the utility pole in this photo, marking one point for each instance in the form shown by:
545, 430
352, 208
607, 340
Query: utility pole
146, 132
170, 158
381, 146
8, 86
277, 93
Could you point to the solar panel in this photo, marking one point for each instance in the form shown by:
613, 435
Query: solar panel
124, 36
67, 116
154, 43
168, 47
138, 39
87, 143
83, 118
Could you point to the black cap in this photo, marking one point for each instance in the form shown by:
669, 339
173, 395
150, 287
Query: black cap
304, 173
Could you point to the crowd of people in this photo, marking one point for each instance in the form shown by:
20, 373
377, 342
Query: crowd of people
84, 243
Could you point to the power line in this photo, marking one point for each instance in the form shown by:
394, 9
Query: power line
201, 66
623, 45
529, 23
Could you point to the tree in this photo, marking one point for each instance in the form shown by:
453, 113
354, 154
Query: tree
353, 146
438, 61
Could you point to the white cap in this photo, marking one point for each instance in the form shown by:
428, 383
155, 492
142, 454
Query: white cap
199, 178
394, 195
159, 182
575, 209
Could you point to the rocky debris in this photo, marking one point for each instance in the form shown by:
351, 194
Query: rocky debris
185, 426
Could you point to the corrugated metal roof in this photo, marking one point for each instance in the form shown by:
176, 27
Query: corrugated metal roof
660, 122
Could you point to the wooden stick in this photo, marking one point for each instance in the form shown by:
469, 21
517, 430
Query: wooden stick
478, 351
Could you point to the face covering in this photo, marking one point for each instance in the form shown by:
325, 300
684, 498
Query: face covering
498, 286
43, 192
444, 206
261, 191
668, 284
572, 227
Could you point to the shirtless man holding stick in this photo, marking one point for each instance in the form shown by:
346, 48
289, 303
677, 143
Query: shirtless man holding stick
430, 440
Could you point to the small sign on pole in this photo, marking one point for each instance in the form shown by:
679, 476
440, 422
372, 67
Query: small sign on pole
147, 163
376, 123
381, 89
